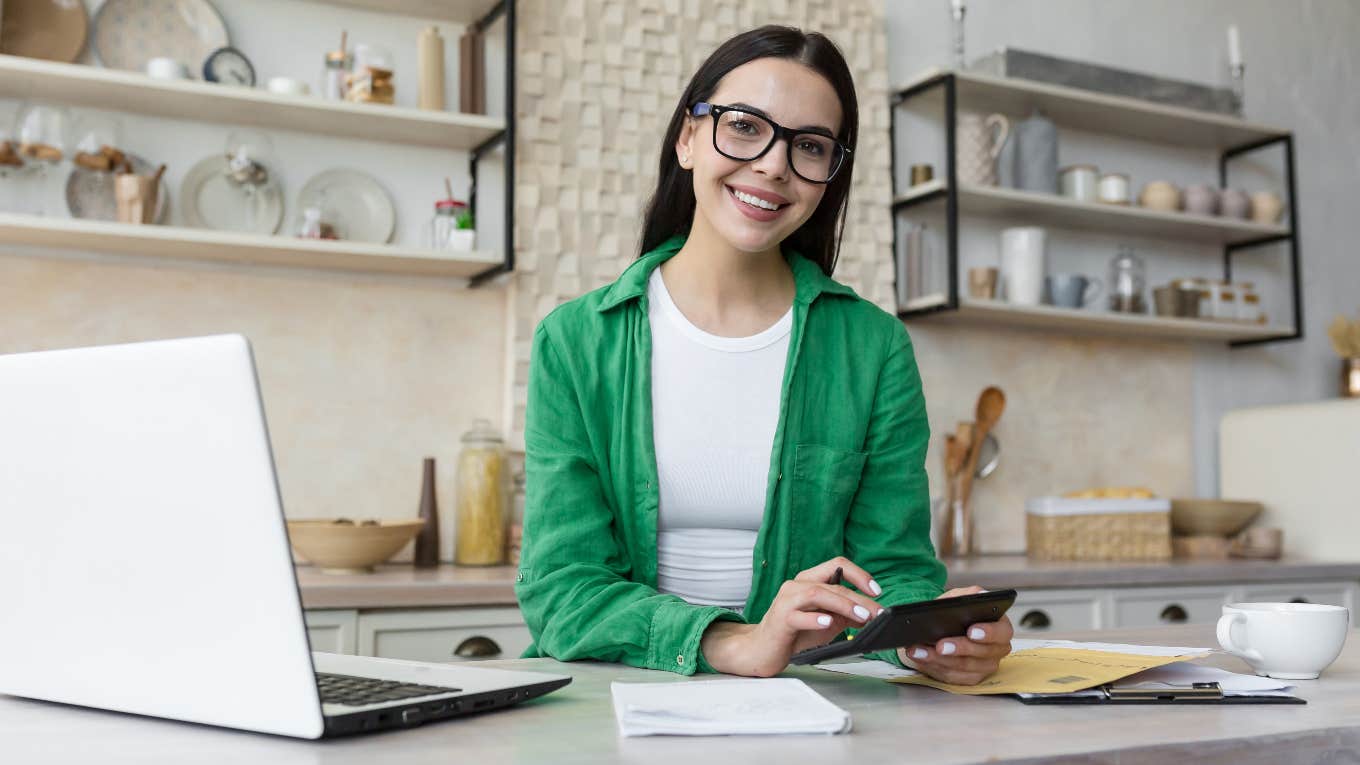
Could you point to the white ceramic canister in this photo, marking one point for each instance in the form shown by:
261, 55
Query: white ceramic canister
1079, 182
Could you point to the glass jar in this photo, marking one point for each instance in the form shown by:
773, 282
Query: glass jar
1128, 282
1249, 303
448, 215
481, 521
333, 74
1225, 308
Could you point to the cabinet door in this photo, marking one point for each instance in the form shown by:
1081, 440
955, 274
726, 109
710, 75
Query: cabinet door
1039, 611
1324, 593
332, 631
1168, 605
444, 634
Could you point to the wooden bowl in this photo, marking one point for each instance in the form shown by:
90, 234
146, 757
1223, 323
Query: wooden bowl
1219, 517
350, 548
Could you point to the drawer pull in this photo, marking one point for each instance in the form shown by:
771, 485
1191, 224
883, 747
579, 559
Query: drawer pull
1299, 600
1035, 620
1174, 614
477, 647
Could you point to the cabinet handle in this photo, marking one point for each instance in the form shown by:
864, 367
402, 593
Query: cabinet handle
1174, 614
477, 647
1299, 600
1035, 620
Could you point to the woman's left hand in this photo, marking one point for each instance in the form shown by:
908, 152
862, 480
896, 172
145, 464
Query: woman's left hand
963, 660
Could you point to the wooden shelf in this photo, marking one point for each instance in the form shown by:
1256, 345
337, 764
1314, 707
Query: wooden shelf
1096, 112
99, 88
972, 310
228, 247
1054, 210
457, 11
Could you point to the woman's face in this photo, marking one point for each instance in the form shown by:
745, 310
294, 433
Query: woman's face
790, 94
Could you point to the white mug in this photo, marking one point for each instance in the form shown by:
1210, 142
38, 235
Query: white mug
1022, 264
163, 68
1288, 641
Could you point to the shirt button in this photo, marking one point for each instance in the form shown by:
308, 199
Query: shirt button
680, 659
764, 564
780, 478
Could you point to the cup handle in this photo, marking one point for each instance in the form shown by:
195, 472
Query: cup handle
1225, 625
999, 123
1092, 294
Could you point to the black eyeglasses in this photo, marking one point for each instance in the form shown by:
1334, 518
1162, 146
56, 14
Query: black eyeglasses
745, 135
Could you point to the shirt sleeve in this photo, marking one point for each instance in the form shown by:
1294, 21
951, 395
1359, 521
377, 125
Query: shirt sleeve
573, 583
888, 528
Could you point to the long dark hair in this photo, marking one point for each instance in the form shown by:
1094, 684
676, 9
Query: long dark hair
671, 209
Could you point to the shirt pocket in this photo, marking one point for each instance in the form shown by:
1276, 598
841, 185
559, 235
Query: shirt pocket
825, 480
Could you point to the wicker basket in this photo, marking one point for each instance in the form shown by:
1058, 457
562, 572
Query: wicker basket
1098, 529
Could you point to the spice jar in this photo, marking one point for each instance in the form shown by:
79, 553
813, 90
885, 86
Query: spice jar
481, 518
1225, 300
334, 73
451, 227
1249, 303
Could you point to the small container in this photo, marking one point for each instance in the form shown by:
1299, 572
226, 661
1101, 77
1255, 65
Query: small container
1080, 182
333, 75
311, 224
921, 174
1201, 199
371, 79
451, 227
1193, 294
482, 519
1224, 301
1114, 189
1249, 303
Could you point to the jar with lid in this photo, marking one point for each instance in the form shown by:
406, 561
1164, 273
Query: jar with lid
333, 74
1225, 301
482, 516
451, 227
1128, 282
1249, 303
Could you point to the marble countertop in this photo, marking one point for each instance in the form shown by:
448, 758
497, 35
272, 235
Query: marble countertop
401, 586
892, 723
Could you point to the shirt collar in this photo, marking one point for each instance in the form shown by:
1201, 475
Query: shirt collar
808, 279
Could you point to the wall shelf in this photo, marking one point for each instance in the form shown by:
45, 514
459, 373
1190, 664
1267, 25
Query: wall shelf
1053, 210
229, 247
972, 310
1072, 108
100, 88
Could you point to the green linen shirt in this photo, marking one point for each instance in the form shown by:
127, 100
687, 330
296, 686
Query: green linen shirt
847, 471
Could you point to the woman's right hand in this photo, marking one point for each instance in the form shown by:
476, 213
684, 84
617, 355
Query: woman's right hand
808, 611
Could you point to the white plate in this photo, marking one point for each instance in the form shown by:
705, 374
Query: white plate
127, 33
89, 193
210, 200
353, 202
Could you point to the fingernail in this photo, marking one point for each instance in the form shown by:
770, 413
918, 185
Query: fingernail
824, 620
862, 613
976, 633
947, 649
919, 653
880, 612
874, 588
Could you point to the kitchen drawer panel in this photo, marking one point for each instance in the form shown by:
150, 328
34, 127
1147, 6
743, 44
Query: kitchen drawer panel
1042, 614
1331, 594
332, 631
1158, 609
441, 645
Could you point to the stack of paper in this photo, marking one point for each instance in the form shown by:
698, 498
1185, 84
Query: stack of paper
724, 707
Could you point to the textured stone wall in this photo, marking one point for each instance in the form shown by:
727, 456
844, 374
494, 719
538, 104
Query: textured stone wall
597, 82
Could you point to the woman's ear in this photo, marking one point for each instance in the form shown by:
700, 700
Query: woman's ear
684, 145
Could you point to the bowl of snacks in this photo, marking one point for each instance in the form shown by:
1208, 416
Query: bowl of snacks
345, 546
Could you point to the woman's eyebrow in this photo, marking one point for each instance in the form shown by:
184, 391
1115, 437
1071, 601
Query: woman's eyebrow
761, 112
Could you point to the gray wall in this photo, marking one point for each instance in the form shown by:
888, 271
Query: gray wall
1301, 70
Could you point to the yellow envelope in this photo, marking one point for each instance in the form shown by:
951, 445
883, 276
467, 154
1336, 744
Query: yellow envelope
1053, 670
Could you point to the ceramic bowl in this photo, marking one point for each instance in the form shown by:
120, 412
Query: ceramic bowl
1212, 516
350, 548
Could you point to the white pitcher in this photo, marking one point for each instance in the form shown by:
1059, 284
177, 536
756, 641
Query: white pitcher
978, 141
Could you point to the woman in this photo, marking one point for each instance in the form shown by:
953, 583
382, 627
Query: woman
718, 437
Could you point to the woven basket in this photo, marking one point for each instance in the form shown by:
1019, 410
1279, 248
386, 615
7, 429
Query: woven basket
1058, 529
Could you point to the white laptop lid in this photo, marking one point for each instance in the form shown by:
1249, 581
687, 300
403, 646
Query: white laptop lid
144, 560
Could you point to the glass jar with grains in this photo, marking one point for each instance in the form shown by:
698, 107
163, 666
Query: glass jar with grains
482, 515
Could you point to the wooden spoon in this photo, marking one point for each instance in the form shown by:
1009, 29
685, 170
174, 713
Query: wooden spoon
991, 403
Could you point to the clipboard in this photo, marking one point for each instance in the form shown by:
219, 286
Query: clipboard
1199, 693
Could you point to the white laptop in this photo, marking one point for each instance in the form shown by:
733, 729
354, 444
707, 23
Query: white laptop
144, 558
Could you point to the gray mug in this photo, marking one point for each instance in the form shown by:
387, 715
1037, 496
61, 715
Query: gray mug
1072, 290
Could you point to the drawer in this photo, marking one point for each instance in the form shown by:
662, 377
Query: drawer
1055, 612
1163, 607
332, 631
1333, 594
436, 635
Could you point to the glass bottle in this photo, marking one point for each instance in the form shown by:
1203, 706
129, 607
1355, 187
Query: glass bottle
333, 74
481, 519
516, 536
1128, 282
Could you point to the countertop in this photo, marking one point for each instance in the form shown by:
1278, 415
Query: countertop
892, 723
401, 586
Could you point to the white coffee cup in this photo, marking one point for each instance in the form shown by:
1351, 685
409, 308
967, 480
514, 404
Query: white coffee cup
288, 86
1287, 641
163, 68
1022, 264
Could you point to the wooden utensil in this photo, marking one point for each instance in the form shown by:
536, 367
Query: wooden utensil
991, 403
963, 443
951, 465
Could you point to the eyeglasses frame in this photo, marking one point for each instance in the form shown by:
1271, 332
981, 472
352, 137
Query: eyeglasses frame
705, 109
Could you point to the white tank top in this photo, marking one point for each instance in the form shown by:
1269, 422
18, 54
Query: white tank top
715, 407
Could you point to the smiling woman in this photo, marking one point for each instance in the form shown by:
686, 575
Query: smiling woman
718, 437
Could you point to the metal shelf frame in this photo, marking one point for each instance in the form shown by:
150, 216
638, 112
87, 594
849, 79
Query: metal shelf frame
947, 82
506, 138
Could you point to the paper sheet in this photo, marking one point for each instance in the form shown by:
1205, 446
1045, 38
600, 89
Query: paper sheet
1053, 670
1022, 644
879, 669
724, 707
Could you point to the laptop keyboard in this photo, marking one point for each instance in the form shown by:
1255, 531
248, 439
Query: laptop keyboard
361, 691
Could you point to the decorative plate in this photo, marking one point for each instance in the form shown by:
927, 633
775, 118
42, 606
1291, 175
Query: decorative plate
51, 29
208, 199
353, 202
127, 33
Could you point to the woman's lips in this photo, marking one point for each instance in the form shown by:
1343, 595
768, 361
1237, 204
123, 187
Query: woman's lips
751, 211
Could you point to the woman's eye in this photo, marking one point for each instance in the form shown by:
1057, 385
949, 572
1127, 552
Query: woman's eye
742, 126
812, 148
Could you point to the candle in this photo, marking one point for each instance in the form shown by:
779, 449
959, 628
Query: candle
1234, 47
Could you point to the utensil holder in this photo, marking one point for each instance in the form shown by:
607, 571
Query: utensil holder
136, 196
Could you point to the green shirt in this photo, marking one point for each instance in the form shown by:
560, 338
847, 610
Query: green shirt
847, 471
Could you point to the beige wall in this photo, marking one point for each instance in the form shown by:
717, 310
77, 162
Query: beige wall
598, 81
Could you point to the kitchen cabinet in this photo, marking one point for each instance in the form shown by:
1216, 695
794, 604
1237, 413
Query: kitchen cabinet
333, 631
421, 634
1040, 611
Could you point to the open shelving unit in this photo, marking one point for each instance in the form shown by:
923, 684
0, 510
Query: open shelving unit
100, 88
1111, 115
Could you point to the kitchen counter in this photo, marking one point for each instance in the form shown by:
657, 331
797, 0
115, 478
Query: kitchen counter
401, 586
891, 722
